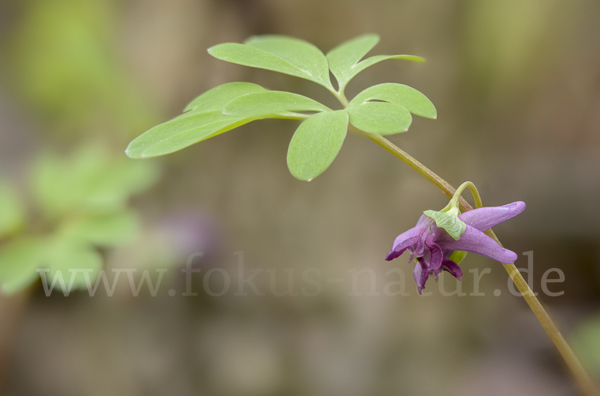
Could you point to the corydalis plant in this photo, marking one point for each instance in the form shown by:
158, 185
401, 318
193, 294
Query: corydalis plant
382, 109
379, 110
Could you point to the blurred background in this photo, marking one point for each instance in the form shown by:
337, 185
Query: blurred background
517, 88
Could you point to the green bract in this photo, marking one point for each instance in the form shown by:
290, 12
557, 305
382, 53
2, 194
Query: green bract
383, 109
449, 221
457, 256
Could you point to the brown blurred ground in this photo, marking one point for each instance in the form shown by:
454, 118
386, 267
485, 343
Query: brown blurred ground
517, 88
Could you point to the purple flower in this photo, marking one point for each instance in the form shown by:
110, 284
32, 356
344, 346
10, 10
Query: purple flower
432, 246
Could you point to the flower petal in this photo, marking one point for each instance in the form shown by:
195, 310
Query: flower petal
406, 240
453, 268
475, 241
436, 256
486, 218
421, 274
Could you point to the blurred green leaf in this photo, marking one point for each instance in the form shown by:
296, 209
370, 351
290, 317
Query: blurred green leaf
586, 344
316, 143
110, 188
70, 262
379, 117
346, 55
218, 97
403, 95
278, 53
12, 213
63, 64
182, 132
19, 260
271, 102
90, 180
49, 184
104, 230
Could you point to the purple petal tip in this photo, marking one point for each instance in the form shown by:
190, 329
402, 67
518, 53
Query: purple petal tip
509, 257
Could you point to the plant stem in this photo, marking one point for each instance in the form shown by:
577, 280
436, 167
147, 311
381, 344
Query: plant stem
582, 378
341, 97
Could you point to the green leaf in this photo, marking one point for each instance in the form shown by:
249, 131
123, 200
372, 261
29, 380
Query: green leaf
71, 264
300, 53
316, 143
18, 263
344, 59
379, 117
379, 58
449, 221
586, 343
12, 213
403, 95
104, 230
346, 55
270, 102
218, 97
182, 132
278, 53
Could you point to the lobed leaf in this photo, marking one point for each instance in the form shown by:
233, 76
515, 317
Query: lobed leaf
344, 59
403, 95
278, 53
316, 143
379, 117
181, 132
216, 98
204, 119
346, 55
300, 53
270, 102
195, 126
379, 58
